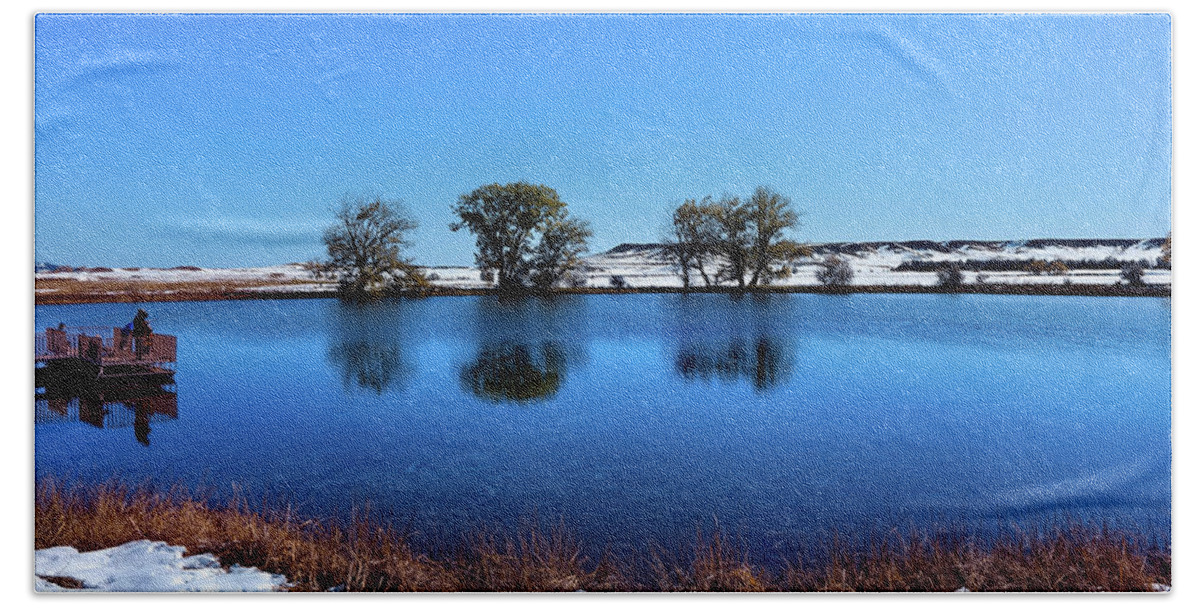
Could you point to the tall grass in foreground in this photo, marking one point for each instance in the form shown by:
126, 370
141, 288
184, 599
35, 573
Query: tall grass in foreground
366, 556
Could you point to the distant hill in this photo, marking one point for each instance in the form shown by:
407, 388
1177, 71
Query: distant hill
47, 267
928, 256
1032, 246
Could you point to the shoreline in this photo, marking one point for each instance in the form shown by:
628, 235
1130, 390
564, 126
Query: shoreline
368, 555
181, 294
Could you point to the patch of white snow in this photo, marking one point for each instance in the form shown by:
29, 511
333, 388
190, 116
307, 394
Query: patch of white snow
152, 566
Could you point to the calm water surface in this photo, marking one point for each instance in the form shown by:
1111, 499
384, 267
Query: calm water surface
639, 417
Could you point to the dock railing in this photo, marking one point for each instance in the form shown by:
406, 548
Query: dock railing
103, 345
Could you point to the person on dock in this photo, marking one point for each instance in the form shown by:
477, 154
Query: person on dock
141, 333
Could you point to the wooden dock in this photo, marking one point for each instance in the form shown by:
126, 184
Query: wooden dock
83, 374
100, 353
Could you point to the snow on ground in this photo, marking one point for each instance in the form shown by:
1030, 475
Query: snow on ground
639, 266
281, 273
144, 565
645, 266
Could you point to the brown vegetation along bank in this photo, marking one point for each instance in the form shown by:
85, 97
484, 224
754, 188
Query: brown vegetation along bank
364, 556
71, 291
67, 291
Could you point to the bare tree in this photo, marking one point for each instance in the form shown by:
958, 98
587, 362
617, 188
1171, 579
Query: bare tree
1132, 274
733, 239
564, 241
364, 249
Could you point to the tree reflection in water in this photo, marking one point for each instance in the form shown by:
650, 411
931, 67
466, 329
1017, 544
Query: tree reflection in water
762, 360
735, 339
516, 372
525, 346
373, 365
367, 347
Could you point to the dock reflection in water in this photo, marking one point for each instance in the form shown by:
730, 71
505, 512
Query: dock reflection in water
123, 405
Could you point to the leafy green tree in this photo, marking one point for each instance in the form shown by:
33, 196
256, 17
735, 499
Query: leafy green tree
733, 239
693, 239
364, 250
522, 232
748, 238
770, 216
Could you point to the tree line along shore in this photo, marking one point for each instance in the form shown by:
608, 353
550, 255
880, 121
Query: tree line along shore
528, 243
100, 294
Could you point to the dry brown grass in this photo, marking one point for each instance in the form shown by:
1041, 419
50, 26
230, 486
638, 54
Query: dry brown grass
1074, 557
72, 291
315, 556
537, 560
364, 556
717, 563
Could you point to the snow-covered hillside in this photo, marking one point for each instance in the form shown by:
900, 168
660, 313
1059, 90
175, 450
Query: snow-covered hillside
882, 263
907, 263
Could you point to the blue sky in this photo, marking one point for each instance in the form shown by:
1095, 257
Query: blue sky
227, 140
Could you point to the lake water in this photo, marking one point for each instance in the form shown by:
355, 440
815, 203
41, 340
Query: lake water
639, 417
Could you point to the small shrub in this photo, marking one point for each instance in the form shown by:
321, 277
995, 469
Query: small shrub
835, 272
617, 281
433, 276
1057, 268
981, 278
576, 279
487, 275
316, 270
1132, 275
950, 275
1038, 267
